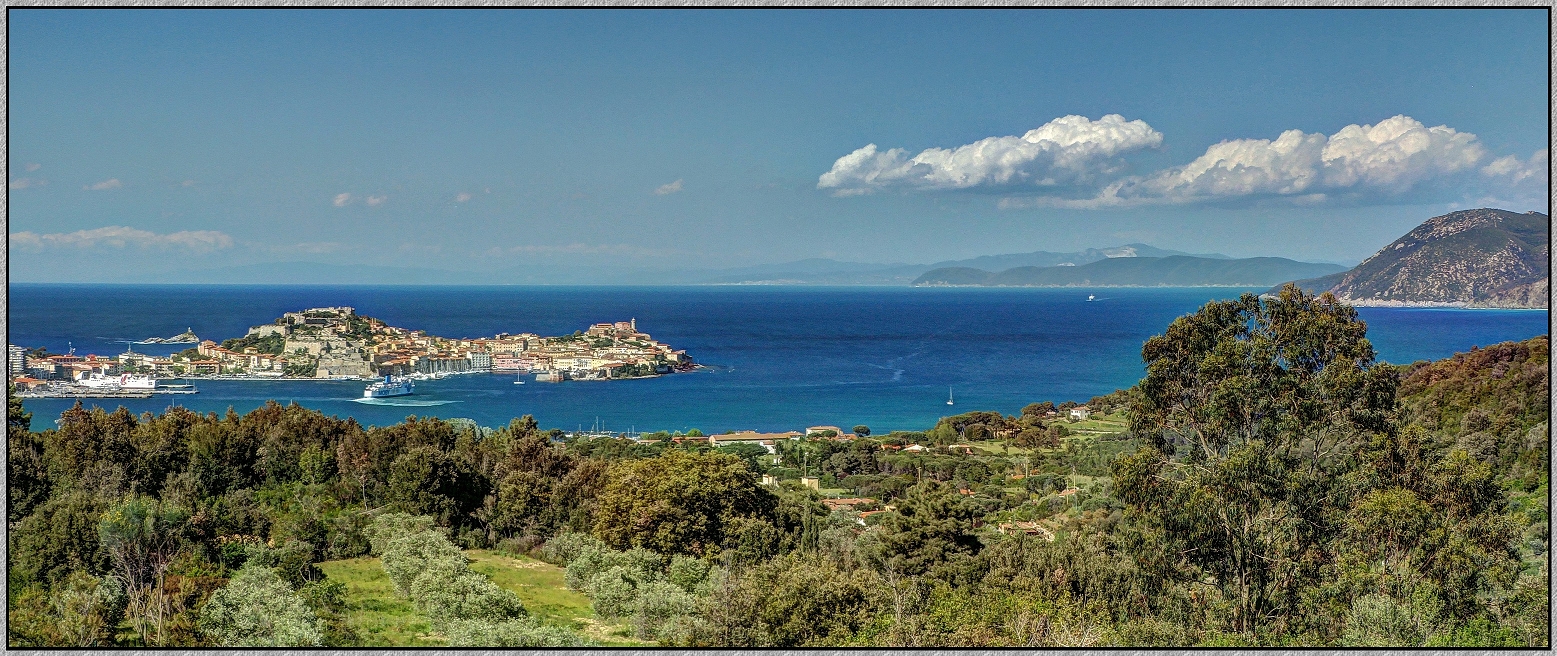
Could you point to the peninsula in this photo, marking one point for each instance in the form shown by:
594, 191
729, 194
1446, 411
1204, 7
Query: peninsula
336, 343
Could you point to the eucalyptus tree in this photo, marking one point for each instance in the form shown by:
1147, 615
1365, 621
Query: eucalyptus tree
1252, 413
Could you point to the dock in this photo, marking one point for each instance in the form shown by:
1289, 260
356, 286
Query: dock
84, 394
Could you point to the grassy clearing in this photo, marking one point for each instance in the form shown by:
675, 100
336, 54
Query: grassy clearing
378, 615
385, 619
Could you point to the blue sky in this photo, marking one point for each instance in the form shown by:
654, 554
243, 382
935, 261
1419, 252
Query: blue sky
166, 140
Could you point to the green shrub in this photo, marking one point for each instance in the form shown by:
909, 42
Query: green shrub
1382, 621
86, 609
293, 561
1479, 632
658, 603
614, 592
258, 609
388, 527
405, 558
448, 591
638, 565
524, 632
688, 573
565, 547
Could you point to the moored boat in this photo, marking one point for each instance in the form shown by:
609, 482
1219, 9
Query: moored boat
129, 382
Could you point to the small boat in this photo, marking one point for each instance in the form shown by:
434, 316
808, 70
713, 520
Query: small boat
1090, 297
948, 396
519, 380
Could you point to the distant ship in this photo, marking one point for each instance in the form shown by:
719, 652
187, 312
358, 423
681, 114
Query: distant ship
1091, 297
188, 337
390, 386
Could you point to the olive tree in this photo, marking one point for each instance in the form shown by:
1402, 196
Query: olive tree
259, 609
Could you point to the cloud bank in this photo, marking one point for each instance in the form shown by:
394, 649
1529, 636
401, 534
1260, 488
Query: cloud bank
1076, 163
1066, 150
196, 241
1386, 158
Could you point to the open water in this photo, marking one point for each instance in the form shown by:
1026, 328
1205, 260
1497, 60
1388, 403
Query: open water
779, 358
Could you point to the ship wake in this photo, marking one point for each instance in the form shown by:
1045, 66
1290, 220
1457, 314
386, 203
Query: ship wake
405, 403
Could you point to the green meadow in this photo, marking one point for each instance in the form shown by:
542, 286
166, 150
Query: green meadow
383, 618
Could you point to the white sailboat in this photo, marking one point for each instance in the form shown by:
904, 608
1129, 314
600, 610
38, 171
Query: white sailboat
519, 380
948, 396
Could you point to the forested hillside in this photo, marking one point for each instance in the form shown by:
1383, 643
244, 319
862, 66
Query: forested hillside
1267, 483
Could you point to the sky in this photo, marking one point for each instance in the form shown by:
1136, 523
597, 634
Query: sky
147, 144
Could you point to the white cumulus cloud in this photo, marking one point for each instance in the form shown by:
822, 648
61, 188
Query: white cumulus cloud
341, 200
668, 188
1397, 153
1389, 157
375, 201
198, 241
23, 183
33, 166
462, 197
1066, 150
111, 183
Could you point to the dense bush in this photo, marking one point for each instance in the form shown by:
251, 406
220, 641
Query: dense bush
658, 595
259, 609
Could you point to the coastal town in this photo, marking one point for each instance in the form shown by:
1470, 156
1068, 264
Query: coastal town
335, 343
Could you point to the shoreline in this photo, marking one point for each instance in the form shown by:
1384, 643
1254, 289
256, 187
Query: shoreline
1437, 305
352, 379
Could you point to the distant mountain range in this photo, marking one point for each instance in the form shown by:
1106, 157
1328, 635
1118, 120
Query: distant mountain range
1476, 258
1170, 271
831, 272
815, 271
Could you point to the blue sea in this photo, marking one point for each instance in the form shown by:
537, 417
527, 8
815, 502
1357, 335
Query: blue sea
778, 358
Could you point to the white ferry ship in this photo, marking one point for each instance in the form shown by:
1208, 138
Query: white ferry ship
390, 386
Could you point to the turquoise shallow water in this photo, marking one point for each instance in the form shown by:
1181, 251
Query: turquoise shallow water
779, 357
